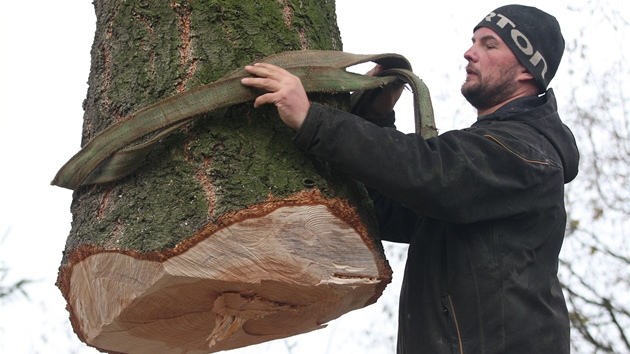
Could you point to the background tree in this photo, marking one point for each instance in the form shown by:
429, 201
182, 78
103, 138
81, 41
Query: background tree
10, 290
596, 256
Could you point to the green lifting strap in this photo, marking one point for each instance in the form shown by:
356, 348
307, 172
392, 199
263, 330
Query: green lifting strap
120, 148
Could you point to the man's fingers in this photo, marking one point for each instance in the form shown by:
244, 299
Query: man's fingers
269, 71
284, 90
260, 82
266, 76
264, 99
375, 70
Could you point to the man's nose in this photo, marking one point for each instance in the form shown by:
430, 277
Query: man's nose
470, 55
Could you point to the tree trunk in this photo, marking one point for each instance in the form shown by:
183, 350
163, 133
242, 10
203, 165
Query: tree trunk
227, 235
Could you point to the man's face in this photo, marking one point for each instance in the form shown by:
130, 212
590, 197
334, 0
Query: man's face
492, 71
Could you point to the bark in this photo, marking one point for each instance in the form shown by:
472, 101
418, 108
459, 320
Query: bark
227, 235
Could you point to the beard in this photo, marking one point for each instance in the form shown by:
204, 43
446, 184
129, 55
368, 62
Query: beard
485, 94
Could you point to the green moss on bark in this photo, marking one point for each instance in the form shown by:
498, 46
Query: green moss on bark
234, 33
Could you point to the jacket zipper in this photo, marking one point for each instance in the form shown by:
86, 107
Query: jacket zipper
459, 336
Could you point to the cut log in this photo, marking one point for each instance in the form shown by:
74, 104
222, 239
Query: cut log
227, 235
276, 270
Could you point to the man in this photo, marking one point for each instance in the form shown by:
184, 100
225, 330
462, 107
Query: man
482, 208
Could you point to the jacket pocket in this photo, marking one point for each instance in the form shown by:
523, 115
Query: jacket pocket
453, 325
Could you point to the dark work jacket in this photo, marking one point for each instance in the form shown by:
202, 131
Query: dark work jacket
483, 212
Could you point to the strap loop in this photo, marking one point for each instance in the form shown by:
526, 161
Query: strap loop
115, 152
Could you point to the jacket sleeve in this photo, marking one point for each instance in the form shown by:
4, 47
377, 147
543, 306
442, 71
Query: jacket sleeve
460, 176
396, 223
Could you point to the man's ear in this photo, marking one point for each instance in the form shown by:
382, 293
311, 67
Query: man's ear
527, 79
525, 75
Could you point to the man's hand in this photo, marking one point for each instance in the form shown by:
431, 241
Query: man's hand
285, 90
382, 102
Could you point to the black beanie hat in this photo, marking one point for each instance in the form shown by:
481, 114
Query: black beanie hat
533, 35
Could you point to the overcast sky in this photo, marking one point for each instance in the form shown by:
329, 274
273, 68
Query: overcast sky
44, 66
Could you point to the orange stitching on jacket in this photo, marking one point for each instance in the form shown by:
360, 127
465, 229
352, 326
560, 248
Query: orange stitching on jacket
459, 335
514, 152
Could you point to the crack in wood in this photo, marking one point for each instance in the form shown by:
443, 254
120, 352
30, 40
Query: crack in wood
104, 203
187, 62
287, 12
